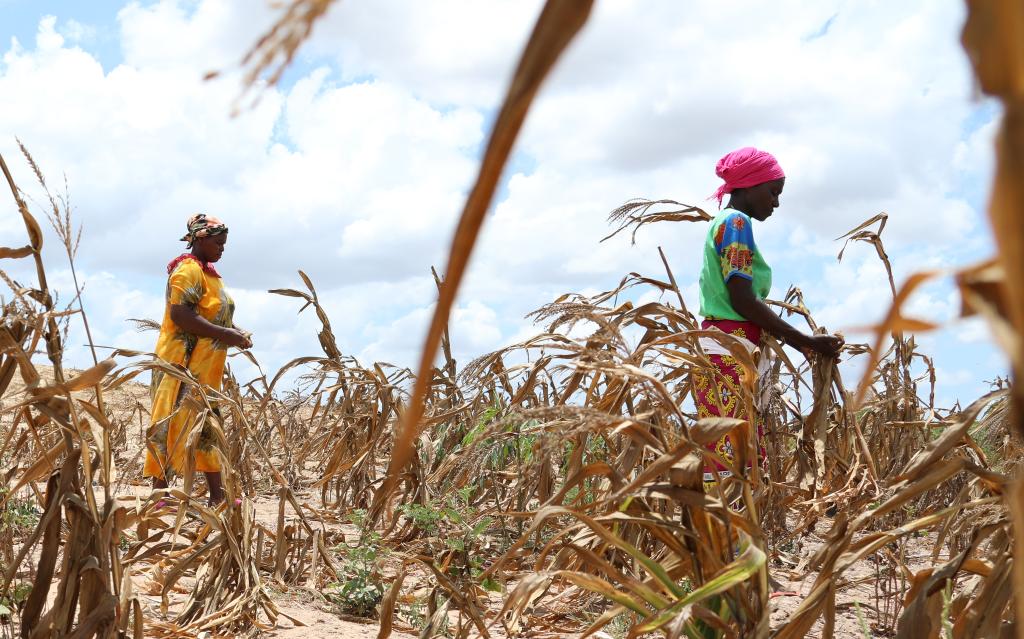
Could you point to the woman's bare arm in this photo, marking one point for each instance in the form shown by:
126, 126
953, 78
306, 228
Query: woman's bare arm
741, 295
188, 320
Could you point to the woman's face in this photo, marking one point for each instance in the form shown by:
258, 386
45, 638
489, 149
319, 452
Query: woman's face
210, 248
763, 199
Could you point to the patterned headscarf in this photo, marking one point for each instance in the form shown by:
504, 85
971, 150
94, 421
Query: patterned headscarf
744, 168
202, 225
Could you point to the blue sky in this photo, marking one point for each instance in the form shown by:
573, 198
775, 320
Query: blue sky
355, 167
21, 21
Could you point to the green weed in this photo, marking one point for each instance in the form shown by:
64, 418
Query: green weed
362, 590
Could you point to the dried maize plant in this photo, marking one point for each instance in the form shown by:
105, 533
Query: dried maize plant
970, 593
589, 434
224, 554
880, 458
342, 427
88, 593
993, 37
582, 404
840, 456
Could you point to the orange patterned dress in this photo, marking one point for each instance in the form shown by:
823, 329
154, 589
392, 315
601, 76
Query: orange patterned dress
199, 286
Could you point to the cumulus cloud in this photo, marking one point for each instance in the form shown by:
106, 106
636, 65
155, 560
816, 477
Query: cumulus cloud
356, 168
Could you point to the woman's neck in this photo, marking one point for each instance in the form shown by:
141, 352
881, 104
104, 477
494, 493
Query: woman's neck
737, 206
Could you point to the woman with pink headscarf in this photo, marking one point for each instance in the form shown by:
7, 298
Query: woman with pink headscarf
734, 281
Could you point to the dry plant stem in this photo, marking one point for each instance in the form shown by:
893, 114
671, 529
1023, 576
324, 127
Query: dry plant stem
90, 580
65, 230
994, 39
558, 24
450, 367
35, 235
672, 280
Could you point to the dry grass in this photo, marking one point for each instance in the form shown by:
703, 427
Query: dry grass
564, 471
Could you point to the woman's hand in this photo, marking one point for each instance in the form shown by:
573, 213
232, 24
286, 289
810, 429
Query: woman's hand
247, 334
188, 320
236, 338
827, 345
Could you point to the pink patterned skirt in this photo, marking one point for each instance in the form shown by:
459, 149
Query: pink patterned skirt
719, 395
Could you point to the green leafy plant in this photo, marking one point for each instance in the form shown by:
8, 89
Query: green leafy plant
11, 603
363, 588
19, 515
454, 535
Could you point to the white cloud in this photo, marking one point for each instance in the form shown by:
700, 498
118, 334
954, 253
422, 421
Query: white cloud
449, 52
973, 330
356, 169
76, 31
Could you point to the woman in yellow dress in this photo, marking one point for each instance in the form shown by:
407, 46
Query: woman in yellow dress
196, 331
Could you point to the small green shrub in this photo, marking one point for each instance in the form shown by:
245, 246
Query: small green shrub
362, 590
451, 529
20, 516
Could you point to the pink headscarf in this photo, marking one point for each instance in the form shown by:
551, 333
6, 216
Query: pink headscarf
746, 167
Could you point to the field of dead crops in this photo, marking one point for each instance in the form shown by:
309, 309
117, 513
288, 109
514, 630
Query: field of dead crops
552, 488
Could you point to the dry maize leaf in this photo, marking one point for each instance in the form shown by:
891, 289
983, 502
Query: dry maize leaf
642, 591
983, 286
950, 437
23, 251
638, 432
910, 325
96, 618
86, 379
875, 541
308, 283
812, 606
606, 617
48, 528
654, 568
597, 469
893, 318
275, 49
464, 601
13, 348
984, 617
992, 38
122, 379
604, 588
124, 352
558, 24
692, 497
289, 292
853, 234
656, 468
907, 490
983, 291
688, 472
39, 468
635, 213
712, 429
96, 414
387, 606
35, 234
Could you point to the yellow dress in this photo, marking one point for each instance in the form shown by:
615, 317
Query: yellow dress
171, 424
